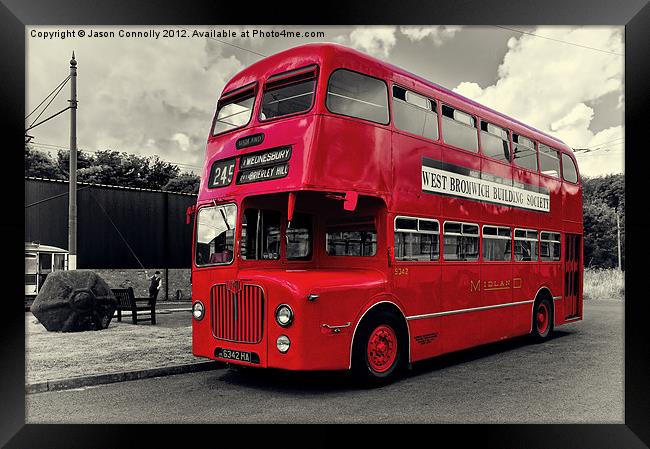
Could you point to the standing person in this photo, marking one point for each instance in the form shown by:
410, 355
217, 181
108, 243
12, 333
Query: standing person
154, 287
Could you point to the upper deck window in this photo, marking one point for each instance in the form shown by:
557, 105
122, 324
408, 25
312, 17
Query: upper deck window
414, 113
356, 95
524, 152
234, 111
288, 93
569, 171
494, 142
459, 129
549, 161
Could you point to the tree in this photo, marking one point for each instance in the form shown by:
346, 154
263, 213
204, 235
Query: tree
603, 198
84, 160
185, 183
40, 164
161, 172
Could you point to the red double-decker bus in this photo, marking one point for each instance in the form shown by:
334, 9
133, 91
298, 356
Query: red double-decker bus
355, 216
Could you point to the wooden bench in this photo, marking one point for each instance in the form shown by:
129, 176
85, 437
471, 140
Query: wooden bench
126, 300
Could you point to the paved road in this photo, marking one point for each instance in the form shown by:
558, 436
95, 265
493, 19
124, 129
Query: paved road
576, 377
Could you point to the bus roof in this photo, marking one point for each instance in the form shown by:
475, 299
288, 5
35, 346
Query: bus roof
35, 246
320, 51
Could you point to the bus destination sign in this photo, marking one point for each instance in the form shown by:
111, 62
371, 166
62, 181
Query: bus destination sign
268, 157
263, 174
249, 141
447, 179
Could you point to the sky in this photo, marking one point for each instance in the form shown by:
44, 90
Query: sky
157, 95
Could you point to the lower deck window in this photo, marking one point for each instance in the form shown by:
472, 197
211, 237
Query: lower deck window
416, 239
299, 238
260, 235
351, 240
549, 246
461, 241
496, 243
525, 245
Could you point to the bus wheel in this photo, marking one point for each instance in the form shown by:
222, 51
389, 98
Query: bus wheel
378, 350
542, 320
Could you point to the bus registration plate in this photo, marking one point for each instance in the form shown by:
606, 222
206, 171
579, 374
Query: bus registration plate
230, 354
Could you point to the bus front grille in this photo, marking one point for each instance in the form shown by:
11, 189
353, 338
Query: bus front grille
237, 312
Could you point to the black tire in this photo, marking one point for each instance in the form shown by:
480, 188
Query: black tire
542, 320
370, 373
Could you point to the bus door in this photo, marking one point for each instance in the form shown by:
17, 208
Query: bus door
415, 274
572, 280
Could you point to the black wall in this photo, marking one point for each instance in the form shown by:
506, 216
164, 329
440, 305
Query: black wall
151, 222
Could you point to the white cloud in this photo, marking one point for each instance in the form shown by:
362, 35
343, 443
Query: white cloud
605, 153
574, 127
547, 84
182, 140
438, 34
377, 41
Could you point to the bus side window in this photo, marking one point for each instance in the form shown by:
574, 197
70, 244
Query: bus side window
495, 142
414, 113
416, 239
549, 246
496, 243
351, 239
525, 155
569, 172
525, 245
549, 161
461, 241
459, 129
356, 95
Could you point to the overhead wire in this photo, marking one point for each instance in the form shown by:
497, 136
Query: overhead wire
558, 40
48, 96
47, 105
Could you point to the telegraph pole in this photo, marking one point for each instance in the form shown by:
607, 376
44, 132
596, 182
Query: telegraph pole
72, 203
618, 232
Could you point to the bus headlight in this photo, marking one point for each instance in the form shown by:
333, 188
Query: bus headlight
284, 315
198, 310
283, 343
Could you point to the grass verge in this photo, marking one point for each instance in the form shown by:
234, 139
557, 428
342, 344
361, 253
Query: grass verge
602, 283
120, 347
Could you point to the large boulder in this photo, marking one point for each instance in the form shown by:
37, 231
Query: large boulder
74, 301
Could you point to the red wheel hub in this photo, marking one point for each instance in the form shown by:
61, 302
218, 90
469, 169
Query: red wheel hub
382, 348
542, 318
